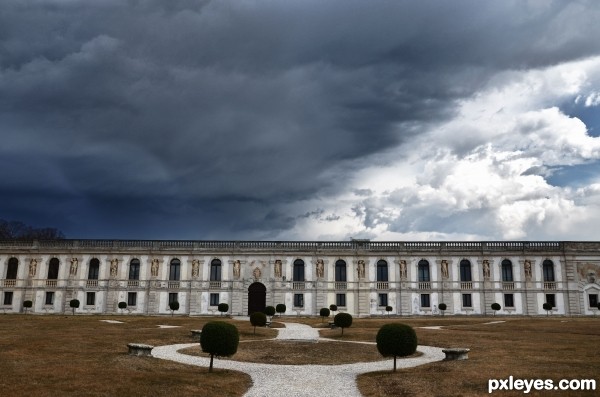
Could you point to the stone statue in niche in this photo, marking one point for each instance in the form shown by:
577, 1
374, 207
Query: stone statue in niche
237, 266
361, 269
74, 264
527, 266
486, 269
114, 267
320, 268
445, 269
154, 268
278, 269
256, 273
195, 268
403, 270
32, 267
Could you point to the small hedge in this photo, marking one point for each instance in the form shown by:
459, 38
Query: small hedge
396, 340
74, 304
442, 307
223, 308
220, 339
496, 307
258, 319
280, 308
270, 311
343, 320
324, 312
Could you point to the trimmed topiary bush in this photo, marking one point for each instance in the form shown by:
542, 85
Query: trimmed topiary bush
343, 320
547, 307
74, 304
389, 309
496, 307
173, 306
27, 305
223, 308
442, 307
333, 308
396, 340
280, 308
258, 319
270, 311
220, 339
122, 305
324, 312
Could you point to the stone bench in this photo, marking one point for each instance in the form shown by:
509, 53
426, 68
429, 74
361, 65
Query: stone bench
196, 333
456, 353
140, 349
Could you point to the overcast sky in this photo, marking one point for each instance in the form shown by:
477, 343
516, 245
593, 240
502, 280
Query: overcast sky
302, 120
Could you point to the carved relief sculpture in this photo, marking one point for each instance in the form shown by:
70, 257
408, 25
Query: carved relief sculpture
320, 268
486, 269
444, 266
74, 264
154, 268
32, 267
256, 273
114, 266
237, 266
403, 270
527, 270
361, 269
278, 268
195, 268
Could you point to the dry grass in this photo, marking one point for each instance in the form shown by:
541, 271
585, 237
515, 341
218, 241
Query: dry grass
65, 355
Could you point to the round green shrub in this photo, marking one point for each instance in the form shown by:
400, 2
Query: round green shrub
280, 308
324, 312
223, 307
122, 305
258, 319
333, 308
343, 320
174, 306
442, 306
270, 311
74, 304
220, 339
27, 304
389, 309
396, 340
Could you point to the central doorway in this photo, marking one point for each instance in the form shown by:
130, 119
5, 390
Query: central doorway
257, 298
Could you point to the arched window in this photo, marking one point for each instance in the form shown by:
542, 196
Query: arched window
12, 269
548, 268
423, 271
382, 270
507, 272
134, 269
94, 269
174, 270
340, 270
53, 269
215, 270
465, 270
298, 270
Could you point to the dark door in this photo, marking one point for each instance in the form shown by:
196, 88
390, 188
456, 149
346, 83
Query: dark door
257, 298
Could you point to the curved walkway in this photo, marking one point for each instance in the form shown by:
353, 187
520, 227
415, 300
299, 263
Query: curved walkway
299, 380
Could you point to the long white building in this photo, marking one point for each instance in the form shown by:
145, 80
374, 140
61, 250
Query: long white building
361, 277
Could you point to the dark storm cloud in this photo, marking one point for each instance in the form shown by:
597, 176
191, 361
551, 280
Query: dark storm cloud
185, 118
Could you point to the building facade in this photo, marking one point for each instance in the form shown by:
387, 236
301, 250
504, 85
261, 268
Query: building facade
361, 277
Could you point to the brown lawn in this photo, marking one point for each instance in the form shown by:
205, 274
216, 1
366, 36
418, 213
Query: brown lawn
80, 355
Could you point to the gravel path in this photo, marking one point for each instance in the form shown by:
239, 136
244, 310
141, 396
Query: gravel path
299, 380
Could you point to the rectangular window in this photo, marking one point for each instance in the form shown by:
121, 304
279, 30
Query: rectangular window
13, 268
383, 300
593, 300
466, 300
214, 299
298, 300
509, 300
173, 297
134, 270
132, 299
425, 300
340, 300
49, 298
551, 299
90, 298
298, 272
8, 295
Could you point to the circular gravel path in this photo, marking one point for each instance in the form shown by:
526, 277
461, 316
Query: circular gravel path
299, 380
